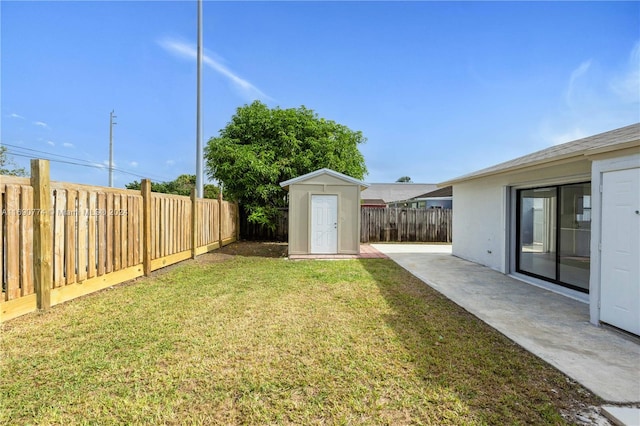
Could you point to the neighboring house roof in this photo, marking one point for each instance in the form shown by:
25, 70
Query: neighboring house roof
399, 191
373, 202
320, 172
624, 137
447, 191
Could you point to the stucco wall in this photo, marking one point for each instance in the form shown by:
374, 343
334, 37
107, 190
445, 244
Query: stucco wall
482, 217
348, 213
478, 222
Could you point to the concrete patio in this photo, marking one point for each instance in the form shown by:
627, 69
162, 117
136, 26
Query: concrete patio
552, 326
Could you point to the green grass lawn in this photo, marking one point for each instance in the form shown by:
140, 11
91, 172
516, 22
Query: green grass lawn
255, 340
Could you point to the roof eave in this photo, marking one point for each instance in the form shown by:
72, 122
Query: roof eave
580, 155
559, 159
285, 185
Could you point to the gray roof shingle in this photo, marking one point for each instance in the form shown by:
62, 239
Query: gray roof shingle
399, 191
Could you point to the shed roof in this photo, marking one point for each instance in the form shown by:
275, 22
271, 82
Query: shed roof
320, 172
624, 137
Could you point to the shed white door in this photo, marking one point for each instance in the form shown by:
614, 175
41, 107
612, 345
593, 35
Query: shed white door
324, 224
620, 256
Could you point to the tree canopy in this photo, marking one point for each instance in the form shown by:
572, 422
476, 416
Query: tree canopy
404, 179
180, 186
7, 166
261, 147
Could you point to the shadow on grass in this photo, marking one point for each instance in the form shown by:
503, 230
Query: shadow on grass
452, 349
255, 249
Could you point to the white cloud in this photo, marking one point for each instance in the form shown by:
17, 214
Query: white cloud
14, 115
188, 51
170, 162
576, 75
568, 136
41, 124
52, 143
598, 97
626, 85
133, 164
67, 145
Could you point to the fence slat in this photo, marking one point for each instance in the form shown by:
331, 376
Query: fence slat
26, 241
91, 235
83, 246
3, 218
70, 237
110, 233
102, 233
12, 193
117, 233
127, 258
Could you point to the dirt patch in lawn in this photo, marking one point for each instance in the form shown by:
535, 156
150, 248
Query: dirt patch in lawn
228, 252
254, 249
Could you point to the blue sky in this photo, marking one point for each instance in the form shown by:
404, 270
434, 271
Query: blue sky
439, 89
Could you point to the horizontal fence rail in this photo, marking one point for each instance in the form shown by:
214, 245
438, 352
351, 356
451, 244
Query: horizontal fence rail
376, 225
59, 241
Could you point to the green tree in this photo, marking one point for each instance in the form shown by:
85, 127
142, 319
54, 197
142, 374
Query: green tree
261, 147
7, 166
404, 179
180, 186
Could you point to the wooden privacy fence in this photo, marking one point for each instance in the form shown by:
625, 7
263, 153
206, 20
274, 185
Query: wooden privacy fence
253, 232
376, 225
403, 224
59, 241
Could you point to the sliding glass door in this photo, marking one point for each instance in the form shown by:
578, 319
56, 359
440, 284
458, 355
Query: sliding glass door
554, 234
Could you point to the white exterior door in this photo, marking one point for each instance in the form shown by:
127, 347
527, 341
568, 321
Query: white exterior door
620, 256
324, 224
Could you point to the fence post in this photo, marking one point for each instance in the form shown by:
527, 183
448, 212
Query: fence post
42, 233
220, 221
237, 218
194, 222
145, 189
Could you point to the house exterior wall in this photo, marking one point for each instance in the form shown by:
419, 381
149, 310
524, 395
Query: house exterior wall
484, 222
478, 227
482, 219
300, 213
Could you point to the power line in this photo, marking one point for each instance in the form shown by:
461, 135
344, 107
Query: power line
75, 163
92, 163
95, 166
47, 153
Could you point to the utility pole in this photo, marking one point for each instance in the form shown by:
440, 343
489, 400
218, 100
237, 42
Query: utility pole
199, 178
111, 123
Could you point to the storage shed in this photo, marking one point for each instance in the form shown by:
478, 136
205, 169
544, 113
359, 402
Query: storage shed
324, 213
